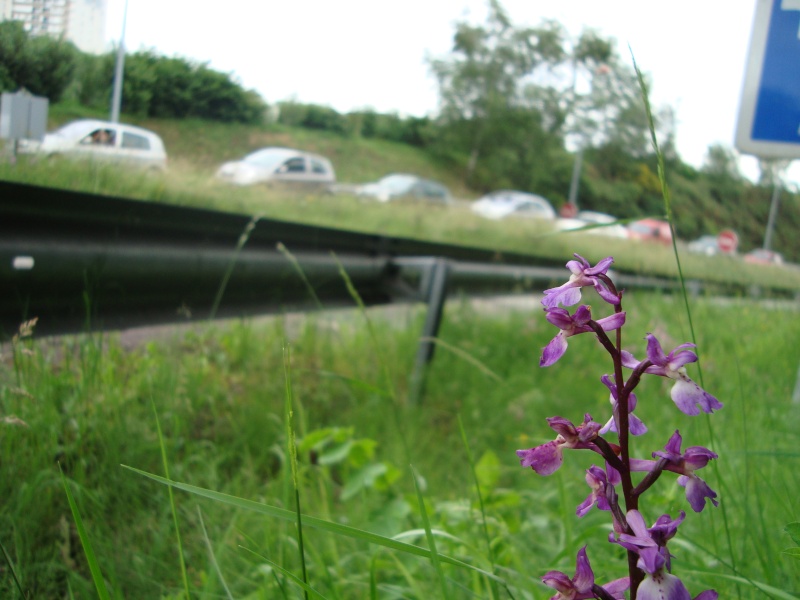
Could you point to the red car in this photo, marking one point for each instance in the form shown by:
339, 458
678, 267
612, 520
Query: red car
650, 230
759, 256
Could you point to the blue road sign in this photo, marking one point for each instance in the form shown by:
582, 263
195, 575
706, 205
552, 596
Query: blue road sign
769, 115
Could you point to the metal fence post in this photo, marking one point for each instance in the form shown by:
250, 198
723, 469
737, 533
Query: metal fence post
435, 293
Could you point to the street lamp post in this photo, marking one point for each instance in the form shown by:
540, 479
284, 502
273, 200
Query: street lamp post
116, 97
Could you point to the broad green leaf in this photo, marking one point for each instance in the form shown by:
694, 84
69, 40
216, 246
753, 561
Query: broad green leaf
793, 529
487, 470
361, 479
335, 455
362, 452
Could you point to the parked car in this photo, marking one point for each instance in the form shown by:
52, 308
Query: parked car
585, 218
279, 166
102, 141
760, 256
510, 203
705, 244
402, 185
650, 230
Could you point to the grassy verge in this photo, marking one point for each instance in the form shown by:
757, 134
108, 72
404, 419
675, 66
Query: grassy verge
186, 186
88, 404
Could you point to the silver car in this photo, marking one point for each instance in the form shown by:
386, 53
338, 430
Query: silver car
279, 166
103, 141
402, 185
513, 204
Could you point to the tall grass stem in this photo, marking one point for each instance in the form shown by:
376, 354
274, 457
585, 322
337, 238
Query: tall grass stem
172, 505
665, 191
251, 225
292, 454
91, 558
14, 576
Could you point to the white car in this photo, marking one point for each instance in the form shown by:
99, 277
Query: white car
705, 244
102, 141
279, 165
397, 186
586, 218
510, 203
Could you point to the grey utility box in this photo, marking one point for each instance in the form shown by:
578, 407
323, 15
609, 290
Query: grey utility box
23, 116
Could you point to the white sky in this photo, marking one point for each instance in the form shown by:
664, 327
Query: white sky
351, 54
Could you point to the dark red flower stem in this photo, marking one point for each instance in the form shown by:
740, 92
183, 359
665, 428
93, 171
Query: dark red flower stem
623, 393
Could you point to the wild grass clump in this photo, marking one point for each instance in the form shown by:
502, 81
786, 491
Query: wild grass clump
86, 404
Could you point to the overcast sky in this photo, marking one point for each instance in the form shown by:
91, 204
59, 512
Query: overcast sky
351, 54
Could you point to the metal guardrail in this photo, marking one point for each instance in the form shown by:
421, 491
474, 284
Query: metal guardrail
81, 262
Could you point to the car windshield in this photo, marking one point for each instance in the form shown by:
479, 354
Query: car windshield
268, 157
595, 217
74, 129
501, 197
641, 228
397, 184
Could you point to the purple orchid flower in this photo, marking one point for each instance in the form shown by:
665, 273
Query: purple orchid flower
689, 397
650, 546
662, 531
573, 325
635, 425
580, 586
583, 274
664, 586
548, 458
598, 479
651, 559
695, 457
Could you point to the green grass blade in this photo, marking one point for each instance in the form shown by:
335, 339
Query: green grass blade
292, 453
757, 585
309, 521
165, 463
484, 524
307, 589
355, 383
434, 555
11, 568
224, 283
665, 191
294, 262
212, 557
351, 289
466, 356
373, 577
94, 566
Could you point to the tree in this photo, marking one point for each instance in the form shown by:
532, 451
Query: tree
42, 65
722, 163
481, 79
576, 90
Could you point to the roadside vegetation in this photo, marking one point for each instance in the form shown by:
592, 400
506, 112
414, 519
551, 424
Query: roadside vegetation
90, 405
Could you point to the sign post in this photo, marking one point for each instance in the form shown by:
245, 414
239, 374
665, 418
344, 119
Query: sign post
769, 111
728, 241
